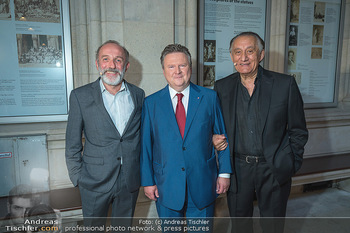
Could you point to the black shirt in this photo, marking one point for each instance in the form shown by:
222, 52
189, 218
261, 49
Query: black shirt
248, 131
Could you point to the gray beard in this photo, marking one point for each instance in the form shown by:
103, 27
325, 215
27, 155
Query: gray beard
114, 82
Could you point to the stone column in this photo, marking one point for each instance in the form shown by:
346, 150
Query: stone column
344, 81
277, 35
80, 40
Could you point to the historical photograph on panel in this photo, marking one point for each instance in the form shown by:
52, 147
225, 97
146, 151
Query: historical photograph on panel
316, 53
294, 11
209, 50
39, 50
319, 11
297, 76
5, 13
209, 76
293, 35
292, 54
317, 34
38, 10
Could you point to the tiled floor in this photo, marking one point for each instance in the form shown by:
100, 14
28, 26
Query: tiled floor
321, 211
330, 202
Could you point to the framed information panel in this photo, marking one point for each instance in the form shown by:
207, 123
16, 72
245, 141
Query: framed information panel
219, 22
313, 45
35, 61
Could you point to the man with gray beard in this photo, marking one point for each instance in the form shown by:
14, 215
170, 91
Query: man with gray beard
108, 112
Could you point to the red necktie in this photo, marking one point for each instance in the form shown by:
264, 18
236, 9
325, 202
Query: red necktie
180, 114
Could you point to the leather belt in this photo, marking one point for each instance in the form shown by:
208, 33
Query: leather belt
251, 158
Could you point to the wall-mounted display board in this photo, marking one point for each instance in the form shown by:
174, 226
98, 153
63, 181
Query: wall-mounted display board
35, 61
219, 22
313, 45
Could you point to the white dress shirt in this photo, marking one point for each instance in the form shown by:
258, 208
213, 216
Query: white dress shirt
185, 98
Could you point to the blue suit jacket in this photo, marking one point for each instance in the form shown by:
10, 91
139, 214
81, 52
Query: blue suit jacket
171, 162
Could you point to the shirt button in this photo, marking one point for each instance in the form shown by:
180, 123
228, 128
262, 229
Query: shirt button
121, 140
183, 169
183, 148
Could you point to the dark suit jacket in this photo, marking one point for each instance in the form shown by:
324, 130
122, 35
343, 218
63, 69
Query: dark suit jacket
98, 168
174, 163
281, 114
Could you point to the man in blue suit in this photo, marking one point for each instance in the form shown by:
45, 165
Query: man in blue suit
179, 169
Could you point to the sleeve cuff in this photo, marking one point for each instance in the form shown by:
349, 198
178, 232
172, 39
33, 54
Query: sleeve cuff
225, 175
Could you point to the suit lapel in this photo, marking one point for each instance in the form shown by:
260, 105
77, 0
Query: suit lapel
166, 106
193, 103
135, 101
265, 97
97, 95
232, 106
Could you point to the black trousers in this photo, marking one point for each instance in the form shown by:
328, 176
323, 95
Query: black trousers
256, 179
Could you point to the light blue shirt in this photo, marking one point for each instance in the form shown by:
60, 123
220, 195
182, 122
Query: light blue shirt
119, 106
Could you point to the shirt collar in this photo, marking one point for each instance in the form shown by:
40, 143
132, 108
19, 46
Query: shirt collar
122, 88
185, 92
